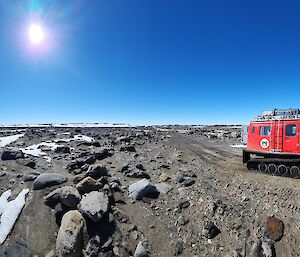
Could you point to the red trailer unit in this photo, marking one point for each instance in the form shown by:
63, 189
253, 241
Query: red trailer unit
273, 143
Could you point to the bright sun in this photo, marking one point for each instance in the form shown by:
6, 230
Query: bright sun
36, 34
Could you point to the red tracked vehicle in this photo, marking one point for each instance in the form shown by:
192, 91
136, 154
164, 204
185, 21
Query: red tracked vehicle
273, 144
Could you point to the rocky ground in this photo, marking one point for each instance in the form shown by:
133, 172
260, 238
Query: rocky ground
145, 191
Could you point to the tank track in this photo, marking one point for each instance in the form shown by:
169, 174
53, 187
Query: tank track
276, 166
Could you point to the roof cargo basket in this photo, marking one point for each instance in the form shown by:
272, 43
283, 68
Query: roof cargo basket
279, 114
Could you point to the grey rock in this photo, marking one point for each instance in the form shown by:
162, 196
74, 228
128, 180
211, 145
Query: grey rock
136, 174
142, 188
27, 162
79, 162
178, 248
140, 251
19, 249
48, 180
163, 187
69, 242
67, 196
94, 205
188, 182
268, 249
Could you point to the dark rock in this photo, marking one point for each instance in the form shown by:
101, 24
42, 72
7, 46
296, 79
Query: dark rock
12, 154
210, 230
140, 166
97, 171
183, 205
48, 180
79, 162
178, 248
96, 144
127, 148
67, 196
59, 212
62, 149
189, 173
102, 154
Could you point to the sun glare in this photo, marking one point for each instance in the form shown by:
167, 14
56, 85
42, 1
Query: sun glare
36, 34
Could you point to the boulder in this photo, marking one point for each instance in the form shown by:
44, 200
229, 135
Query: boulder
88, 184
142, 188
48, 179
69, 242
94, 205
96, 171
67, 196
12, 154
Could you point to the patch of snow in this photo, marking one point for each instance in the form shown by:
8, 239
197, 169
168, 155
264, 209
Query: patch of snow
10, 211
35, 150
76, 138
239, 146
9, 139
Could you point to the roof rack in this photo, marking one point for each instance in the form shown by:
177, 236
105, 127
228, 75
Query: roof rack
279, 114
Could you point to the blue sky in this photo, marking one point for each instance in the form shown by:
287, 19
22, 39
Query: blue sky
148, 61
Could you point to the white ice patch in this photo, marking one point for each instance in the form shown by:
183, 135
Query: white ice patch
239, 146
9, 139
10, 211
82, 138
35, 150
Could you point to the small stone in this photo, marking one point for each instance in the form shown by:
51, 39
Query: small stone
178, 248
140, 251
210, 230
188, 182
274, 228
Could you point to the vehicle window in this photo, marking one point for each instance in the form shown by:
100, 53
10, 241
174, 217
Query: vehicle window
290, 130
265, 130
253, 130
